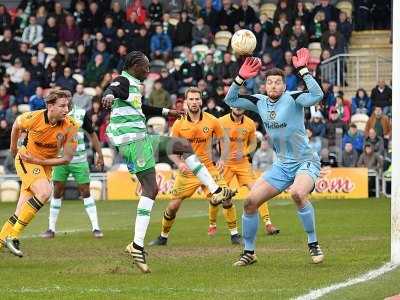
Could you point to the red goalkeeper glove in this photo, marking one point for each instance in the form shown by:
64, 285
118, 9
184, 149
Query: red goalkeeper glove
249, 69
300, 61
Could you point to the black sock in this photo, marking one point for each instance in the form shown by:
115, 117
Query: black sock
249, 252
218, 190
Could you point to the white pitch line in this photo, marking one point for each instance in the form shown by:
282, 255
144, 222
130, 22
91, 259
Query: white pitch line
315, 294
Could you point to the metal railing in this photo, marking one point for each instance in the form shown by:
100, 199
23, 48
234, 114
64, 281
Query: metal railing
356, 70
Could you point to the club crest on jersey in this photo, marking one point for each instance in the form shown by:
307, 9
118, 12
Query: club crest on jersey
60, 137
272, 115
206, 129
36, 171
140, 162
243, 131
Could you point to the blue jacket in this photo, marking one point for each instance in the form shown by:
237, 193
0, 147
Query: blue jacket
361, 103
291, 82
357, 141
25, 90
160, 42
36, 103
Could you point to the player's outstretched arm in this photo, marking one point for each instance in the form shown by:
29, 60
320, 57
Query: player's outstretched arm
249, 69
15, 133
314, 94
118, 88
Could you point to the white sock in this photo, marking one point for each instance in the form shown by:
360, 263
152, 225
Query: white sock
142, 219
55, 205
201, 172
90, 207
233, 231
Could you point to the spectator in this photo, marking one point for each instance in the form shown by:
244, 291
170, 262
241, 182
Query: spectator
141, 42
33, 34
333, 30
23, 54
95, 70
344, 26
37, 70
5, 97
160, 44
330, 11
290, 78
381, 95
26, 88
132, 26
118, 60
10, 86
12, 113
276, 44
139, 9
66, 81
117, 14
333, 47
262, 39
302, 13
380, 12
80, 99
317, 126
36, 102
210, 16
69, 34
52, 73
59, 13
213, 109
228, 16
5, 18
227, 68
97, 115
314, 141
380, 122
5, 135
318, 26
108, 30
41, 15
155, 11
263, 157
370, 159
168, 28
192, 9
246, 15
101, 49
183, 32
79, 13
201, 33
159, 97
363, 15
342, 109
335, 129
168, 82
361, 103
283, 9
349, 156
94, 18
79, 60
190, 71
300, 34
50, 32
354, 137
375, 141
7, 46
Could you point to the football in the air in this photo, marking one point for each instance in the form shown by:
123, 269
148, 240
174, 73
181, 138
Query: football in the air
243, 42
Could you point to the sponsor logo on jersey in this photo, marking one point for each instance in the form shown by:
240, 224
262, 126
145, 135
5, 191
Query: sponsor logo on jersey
36, 171
275, 125
206, 129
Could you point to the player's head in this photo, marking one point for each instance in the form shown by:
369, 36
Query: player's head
57, 103
237, 112
137, 64
275, 83
193, 100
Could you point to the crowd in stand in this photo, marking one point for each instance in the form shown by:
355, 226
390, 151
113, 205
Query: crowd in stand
45, 45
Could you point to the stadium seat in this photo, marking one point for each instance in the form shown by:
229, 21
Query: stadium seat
90, 91
50, 51
315, 49
2, 171
200, 51
159, 124
222, 39
23, 108
9, 191
268, 9
108, 155
96, 187
345, 6
360, 120
177, 51
78, 78
309, 5
173, 21
163, 167
1, 38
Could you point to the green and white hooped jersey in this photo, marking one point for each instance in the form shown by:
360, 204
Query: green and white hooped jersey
127, 121
80, 155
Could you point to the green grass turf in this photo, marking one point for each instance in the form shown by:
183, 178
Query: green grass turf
354, 235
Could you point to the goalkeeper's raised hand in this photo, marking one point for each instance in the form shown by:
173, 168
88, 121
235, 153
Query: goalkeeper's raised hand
249, 69
301, 60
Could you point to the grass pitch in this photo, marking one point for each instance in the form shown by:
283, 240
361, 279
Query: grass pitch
354, 235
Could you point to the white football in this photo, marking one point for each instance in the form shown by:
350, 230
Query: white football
243, 42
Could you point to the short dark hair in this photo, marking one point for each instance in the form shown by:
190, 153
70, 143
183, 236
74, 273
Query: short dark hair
57, 94
133, 58
275, 72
